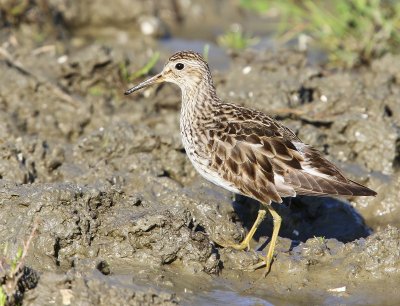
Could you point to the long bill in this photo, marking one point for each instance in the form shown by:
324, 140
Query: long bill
154, 80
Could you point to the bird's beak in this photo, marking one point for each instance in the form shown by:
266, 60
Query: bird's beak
159, 78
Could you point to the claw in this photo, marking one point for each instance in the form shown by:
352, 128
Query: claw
264, 261
245, 244
267, 260
237, 246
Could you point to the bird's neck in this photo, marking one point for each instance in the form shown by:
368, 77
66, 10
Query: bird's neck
198, 99
198, 103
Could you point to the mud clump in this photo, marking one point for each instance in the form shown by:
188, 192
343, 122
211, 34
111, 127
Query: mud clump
124, 217
94, 289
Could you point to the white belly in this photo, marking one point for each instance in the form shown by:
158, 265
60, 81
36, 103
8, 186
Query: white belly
201, 159
202, 167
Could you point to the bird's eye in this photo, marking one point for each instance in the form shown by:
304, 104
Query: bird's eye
179, 66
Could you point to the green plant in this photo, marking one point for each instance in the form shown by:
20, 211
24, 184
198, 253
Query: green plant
236, 39
255, 5
129, 77
206, 51
12, 269
15, 12
19, 8
352, 31
3, 297
321, 240
96, 90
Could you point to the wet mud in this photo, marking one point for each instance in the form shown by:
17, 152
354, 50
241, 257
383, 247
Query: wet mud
124, 219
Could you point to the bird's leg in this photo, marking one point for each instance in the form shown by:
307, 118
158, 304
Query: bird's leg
246, 241
277, 224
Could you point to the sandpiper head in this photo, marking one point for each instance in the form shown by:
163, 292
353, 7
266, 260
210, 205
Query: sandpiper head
187, 69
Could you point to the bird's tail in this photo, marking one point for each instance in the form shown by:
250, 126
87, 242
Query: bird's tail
360, 190
323, 186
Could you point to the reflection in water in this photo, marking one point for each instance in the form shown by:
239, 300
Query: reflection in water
220, 297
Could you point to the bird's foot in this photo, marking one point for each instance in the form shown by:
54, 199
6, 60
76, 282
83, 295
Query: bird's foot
244, 245
270, 255
265, 261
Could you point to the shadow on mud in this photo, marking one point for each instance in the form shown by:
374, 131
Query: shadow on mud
306, 217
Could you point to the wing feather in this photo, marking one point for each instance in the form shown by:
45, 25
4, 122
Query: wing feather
266, 161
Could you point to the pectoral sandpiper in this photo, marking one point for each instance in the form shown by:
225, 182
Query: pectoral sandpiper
244, 150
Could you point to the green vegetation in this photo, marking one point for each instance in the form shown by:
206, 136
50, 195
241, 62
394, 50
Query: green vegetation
235, 39
11, 269
17, 11
96, 90
3, 297
352, 32
206, 51
255, 5
129, 77
19, 8
321, 240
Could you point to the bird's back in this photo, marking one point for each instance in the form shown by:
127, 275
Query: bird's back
250, 153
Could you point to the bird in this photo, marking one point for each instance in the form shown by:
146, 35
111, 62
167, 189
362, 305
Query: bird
246, 151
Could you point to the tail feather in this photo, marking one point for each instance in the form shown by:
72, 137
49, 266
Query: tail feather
320, 186
318, 176
361, 190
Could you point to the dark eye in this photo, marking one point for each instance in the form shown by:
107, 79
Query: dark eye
179, 66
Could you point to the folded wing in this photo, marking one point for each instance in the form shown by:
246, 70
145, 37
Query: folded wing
266, 161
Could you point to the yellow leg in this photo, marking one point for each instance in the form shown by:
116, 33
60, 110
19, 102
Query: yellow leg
246, 242
277, 224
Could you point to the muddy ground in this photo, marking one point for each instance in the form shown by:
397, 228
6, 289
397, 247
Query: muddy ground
123, 217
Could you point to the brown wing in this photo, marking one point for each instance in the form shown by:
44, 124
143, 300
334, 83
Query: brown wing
267, 161
321, 177
245, 152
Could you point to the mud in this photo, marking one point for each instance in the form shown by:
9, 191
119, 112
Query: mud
123, 216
